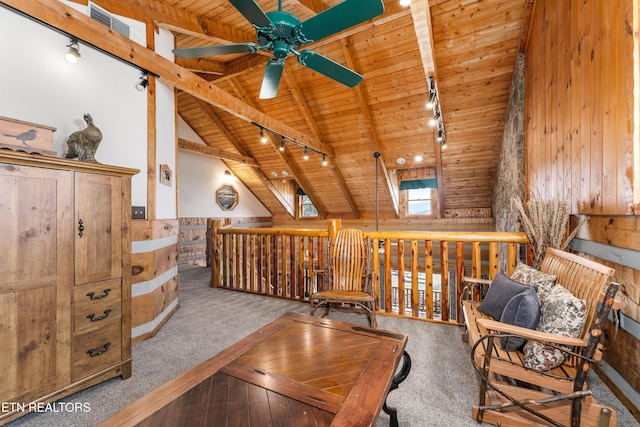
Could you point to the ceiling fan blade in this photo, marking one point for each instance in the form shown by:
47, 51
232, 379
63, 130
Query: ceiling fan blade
223, 49
340, 17
329, 68
250, 10
271, 79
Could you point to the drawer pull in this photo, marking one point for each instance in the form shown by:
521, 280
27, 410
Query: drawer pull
92, 297
93, 317
93, 352
80, 227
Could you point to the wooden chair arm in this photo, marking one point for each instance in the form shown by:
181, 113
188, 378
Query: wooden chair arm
476, 281
531, 334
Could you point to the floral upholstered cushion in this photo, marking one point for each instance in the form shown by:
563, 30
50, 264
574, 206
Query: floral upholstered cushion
561, 314
543, 282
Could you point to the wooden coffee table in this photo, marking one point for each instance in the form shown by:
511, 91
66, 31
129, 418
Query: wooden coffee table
297, 370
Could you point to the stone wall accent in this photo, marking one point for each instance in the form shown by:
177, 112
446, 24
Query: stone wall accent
510, 181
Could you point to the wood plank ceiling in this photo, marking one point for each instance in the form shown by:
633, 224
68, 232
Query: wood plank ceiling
469, 46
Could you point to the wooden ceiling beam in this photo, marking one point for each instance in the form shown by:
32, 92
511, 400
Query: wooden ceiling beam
422, 24
371, 129
237, 144
175, 19
307, 114
298, 174
195, 147
202, 65
74, 23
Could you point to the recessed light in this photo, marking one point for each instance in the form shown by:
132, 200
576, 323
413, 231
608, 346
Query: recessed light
274, 174
401, 161
418, 158
285, 173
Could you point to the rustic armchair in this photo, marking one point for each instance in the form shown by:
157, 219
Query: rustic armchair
347, 283
544, 382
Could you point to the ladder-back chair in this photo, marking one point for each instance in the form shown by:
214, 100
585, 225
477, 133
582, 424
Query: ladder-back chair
347, 283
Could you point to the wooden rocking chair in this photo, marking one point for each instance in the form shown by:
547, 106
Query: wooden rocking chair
511, 394
347, 284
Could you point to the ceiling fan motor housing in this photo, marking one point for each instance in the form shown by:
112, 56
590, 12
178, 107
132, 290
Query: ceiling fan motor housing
281, 36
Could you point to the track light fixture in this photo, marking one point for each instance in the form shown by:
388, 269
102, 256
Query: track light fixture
436, 120
73, 54
283, 143
144, 82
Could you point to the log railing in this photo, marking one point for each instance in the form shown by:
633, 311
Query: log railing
416, 274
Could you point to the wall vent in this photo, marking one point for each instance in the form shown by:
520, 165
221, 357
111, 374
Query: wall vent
105, 18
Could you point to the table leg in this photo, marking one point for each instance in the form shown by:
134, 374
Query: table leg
397, 379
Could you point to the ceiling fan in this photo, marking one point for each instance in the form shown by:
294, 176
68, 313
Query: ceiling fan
281, 33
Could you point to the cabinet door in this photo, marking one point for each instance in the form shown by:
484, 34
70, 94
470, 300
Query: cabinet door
98, 200
36, 273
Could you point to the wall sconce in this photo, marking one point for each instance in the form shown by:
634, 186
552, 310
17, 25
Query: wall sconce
143, 83
229, 177
73, 54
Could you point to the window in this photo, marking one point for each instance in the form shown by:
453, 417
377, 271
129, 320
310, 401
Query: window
307, 210
419, 201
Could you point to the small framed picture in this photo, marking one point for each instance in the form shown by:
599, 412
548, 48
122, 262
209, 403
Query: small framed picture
227, 197
166, 175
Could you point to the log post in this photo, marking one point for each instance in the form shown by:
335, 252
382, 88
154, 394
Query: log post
216, 250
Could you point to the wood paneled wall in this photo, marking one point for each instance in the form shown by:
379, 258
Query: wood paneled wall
580, 104
583, 134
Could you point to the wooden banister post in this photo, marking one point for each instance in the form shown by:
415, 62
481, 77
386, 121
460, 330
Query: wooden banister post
334, 227
216, 251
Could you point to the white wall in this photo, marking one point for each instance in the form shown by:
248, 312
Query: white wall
198, 179
165, 132
37, 85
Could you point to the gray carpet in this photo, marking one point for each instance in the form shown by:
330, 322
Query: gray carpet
439, 391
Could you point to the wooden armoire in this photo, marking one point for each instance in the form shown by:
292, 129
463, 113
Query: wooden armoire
65, 277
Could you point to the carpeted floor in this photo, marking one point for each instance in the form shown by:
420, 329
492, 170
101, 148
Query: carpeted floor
439, 391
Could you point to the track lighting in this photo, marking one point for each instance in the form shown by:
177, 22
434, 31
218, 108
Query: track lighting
73, 54
283, 142
143, 83
436, 120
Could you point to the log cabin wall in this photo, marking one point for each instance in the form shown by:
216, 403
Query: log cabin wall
154, 276
194, 236
582, 141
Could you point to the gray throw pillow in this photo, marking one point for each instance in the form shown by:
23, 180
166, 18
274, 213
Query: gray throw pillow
501, 290
522, 310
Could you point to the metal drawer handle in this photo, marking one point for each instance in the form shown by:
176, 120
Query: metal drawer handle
91, 294
93, 317
93, 352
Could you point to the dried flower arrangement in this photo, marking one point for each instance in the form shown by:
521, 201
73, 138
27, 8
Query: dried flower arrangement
545, 223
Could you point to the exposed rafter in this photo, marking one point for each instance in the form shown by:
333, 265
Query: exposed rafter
209, 111
422, 24
195, 147
299, 175
368, 119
